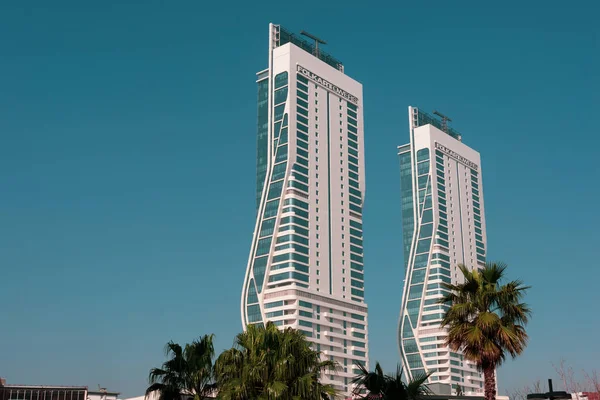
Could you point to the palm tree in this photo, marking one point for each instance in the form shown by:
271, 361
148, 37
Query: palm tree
267, 363
188, 371
377, 385
486, 319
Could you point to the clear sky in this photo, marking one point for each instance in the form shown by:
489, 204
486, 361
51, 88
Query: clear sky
127, 156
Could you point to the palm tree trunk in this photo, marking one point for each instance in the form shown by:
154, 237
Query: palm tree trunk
489, 379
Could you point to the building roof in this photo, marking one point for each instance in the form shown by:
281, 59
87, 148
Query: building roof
19, 386
101, 392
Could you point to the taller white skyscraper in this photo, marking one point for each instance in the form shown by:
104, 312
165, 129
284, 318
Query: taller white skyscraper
443, 225
305, 268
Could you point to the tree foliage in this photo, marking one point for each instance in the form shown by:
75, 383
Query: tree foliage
187, 371
486, 319
377, 385
268, 363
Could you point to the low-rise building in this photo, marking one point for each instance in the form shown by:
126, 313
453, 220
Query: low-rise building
41, 392
156, 395
53, 392
585, 396
102, 394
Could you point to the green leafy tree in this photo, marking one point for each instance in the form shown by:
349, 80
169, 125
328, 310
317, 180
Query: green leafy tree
268, 363
377, 385
188, 371
486, 319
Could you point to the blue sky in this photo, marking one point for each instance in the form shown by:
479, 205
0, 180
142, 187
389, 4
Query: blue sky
127, 167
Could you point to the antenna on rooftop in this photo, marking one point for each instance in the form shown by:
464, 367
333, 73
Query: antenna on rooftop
445, 120
316, 39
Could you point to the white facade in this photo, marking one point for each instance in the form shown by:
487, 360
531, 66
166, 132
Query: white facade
102, 394
443, 226
156, 396
305, 268
585, 395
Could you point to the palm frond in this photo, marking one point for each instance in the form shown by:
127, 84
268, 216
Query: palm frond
417, 387
376, 384
187, 370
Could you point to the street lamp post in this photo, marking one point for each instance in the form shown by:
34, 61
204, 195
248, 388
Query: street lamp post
550, 395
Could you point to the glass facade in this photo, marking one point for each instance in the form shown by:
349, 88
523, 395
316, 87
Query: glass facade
262, 137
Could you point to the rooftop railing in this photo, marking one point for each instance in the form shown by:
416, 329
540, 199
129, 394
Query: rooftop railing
284, 36
423, 119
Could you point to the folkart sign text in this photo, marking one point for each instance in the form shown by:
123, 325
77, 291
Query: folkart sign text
456, 156
326, 84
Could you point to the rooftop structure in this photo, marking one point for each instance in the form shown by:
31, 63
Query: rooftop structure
283, 36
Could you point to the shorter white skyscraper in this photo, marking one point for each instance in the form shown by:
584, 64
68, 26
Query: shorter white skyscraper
443, 225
